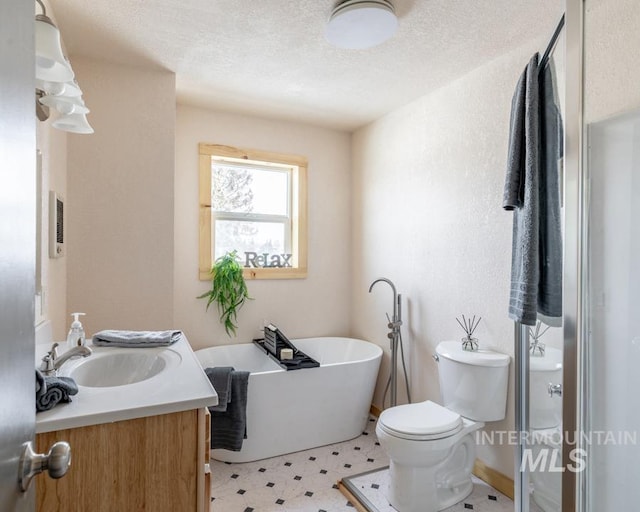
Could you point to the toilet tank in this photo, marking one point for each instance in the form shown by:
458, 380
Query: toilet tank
545, 411
473, 383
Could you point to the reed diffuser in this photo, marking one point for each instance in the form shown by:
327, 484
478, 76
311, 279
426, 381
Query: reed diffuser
536, 347
469, 326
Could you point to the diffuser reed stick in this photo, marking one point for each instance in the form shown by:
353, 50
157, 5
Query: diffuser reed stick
536, 347
469, 326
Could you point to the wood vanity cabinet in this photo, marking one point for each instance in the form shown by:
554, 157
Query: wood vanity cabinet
158, 463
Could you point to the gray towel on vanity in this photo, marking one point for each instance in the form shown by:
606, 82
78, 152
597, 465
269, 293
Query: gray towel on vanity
220, 378
141, 339
229, 428
50, 391
521, 194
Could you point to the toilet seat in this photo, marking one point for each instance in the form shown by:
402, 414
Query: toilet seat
424, 421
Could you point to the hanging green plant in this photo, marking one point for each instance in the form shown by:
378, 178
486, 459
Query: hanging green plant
228, 290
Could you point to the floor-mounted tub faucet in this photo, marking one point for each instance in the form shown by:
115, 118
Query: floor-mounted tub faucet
394, 325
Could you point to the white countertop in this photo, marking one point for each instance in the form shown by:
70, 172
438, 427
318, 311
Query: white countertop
179, 387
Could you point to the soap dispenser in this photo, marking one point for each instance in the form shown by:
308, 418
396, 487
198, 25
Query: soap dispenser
75, 338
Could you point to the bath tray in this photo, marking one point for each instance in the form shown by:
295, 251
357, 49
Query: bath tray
274, 341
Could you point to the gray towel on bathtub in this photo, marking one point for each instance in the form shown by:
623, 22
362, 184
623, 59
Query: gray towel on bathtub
229, 428
220, 378
141, 339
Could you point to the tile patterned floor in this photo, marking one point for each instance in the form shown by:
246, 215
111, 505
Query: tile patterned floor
299, 482
307, 481
483, 498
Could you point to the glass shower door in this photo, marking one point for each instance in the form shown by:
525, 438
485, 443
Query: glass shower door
613, 314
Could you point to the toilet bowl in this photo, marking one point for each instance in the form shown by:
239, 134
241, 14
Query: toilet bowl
431, 447
547, 481
546, 429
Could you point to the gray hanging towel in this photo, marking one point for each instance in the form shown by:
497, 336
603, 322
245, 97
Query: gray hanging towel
220, 378
229, 428
551, 140
521, 194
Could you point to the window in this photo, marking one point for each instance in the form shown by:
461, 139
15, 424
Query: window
253, 202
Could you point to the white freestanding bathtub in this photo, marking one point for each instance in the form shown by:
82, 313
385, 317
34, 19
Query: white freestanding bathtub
289, 411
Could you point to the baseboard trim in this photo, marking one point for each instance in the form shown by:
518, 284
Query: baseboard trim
375, 411
494, 478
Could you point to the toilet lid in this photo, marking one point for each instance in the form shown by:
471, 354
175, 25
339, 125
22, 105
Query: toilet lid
423, 421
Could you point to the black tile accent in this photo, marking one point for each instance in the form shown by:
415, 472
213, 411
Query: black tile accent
312, 458
235, 475
356, 447
493, 498
279, 501
323, 471
375, 486
349, 504
287, 463
297, 477
335, 453
308, 493
371, 419
241, 491
347, 466
262, 470
212, 498
334, 486
270, 484
370, 460
469, 506
322, 510
248, 509
377, 443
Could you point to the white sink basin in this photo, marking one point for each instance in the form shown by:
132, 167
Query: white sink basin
120, 367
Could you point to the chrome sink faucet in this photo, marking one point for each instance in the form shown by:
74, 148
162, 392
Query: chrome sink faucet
51, 362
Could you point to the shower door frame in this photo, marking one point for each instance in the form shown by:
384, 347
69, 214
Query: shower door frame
575, 356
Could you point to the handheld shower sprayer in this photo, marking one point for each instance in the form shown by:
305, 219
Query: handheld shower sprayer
395, 336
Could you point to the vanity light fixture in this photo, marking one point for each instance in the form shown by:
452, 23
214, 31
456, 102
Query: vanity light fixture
55, 85
74, 123
361, 24
50, 62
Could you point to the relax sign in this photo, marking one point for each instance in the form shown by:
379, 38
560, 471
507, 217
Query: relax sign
266, 260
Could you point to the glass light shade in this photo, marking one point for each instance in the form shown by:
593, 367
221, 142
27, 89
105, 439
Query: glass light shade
69, 89
74, 123
65, 105
357, 25
50, 62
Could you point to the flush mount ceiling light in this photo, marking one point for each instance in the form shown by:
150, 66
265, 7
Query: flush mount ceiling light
360, 24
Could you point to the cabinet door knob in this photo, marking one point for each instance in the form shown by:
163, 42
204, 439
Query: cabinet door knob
56, 462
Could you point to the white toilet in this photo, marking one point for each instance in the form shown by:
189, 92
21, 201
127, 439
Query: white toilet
431, 448
546, 428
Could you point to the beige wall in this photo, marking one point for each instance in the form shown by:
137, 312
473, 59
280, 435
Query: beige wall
315, 306
120, 197
427, 196
53, 146
611, 72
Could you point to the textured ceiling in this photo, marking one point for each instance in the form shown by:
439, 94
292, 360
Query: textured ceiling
270, 58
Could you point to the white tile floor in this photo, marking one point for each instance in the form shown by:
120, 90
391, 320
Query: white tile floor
307, 481
484, 498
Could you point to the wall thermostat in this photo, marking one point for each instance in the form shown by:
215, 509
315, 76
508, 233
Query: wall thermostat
56, 225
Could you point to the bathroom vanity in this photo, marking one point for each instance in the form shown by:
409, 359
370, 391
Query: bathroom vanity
135, 446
